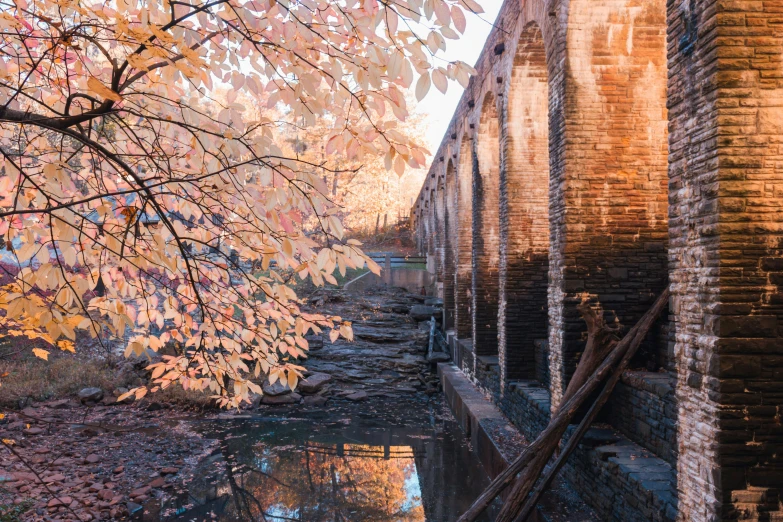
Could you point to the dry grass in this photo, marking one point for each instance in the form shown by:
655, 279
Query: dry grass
183, 399
64, 376
60, 377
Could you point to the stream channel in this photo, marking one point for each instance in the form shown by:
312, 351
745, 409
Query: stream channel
378, 460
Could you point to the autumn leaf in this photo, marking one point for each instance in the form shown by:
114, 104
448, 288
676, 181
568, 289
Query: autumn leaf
185, 217
423, 86
101, 90
41, 354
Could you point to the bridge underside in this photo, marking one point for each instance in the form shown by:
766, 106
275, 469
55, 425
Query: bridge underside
605, 150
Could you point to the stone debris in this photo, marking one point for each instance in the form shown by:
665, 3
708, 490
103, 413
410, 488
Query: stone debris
90, 395
314, 383
278, 388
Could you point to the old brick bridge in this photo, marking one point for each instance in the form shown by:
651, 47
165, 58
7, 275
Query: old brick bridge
607, 149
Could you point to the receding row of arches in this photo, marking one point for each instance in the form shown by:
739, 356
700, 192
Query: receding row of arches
528, 223
592, 159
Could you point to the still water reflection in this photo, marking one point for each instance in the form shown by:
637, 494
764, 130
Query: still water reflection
346, 469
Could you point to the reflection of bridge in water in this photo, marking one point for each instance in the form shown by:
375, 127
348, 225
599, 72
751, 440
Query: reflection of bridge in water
259, 457
386, 452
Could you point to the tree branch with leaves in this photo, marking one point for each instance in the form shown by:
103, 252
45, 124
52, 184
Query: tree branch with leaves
141, 195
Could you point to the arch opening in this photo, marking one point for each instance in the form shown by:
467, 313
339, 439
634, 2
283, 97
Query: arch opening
449, 262
524, 215
463, 321
486, 230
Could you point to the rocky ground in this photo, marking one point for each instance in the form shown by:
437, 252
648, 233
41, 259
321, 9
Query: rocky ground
70, 461
388, 357
95, 459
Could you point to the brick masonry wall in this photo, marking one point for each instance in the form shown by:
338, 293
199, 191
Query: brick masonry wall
464, 259
440, 229
726, 230
449, 253
643, 408
609, 240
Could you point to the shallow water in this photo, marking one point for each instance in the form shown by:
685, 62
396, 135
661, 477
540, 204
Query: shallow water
359, 463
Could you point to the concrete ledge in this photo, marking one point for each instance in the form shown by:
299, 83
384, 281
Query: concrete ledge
497, 442
480, 420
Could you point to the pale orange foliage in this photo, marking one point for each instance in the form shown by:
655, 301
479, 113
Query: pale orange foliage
134, 199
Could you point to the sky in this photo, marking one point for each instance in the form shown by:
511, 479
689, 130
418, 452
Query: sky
438, 108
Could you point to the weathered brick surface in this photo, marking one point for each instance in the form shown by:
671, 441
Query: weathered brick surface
643, 408
609, 237
726, 235
570, 185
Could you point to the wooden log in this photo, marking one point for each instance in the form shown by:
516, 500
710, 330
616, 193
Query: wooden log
523, 486
573, 442
562, 417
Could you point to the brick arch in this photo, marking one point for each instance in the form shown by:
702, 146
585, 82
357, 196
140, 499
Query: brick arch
524, 213
449, 255
608, 187
464, 221
486, 229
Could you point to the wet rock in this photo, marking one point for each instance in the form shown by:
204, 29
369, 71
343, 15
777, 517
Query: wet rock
423, 312
169, 471
314, 342
276, 389
357, 396
314, 383
315, 400
276, 400
154, 406
433, 301
133, 507
32, 431
438, 357
60, 405
90, 395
